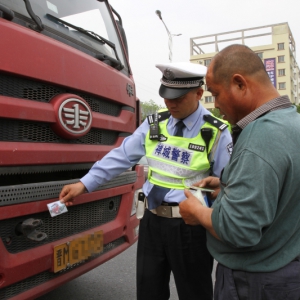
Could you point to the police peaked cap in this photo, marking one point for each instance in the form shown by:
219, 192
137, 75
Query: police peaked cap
180, 78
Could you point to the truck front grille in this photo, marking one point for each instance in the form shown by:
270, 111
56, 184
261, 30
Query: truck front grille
23, 88
25, 131
79, 218
22, 193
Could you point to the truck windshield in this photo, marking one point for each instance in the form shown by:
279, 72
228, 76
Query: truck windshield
90, 15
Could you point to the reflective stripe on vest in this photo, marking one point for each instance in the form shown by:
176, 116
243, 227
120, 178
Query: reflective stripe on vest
178, 182
176, 171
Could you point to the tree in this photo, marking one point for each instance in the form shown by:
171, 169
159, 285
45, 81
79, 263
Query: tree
298, 108
149, 107
215, 112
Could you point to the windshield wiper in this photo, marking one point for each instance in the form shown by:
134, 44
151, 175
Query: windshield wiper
39, 25
6, 13
116, 63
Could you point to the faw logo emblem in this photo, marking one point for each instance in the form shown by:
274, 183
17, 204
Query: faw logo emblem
75, 116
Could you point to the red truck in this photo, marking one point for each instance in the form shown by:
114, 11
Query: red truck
67, 97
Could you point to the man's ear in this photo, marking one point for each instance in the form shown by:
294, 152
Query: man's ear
199, 93
239, 81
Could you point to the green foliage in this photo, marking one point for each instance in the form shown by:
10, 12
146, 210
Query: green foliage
149, 107
298, 108
215, 112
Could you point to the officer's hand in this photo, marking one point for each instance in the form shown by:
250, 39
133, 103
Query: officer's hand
189, 208
210, 183
69, 192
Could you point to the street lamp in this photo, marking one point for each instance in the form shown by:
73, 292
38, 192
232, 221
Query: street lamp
158, 12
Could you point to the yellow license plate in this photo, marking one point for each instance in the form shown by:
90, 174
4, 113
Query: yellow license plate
80, 249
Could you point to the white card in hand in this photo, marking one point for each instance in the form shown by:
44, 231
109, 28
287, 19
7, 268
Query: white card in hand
198, 194
56, 208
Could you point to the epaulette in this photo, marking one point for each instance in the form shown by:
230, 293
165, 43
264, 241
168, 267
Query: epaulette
215, 122
163, 115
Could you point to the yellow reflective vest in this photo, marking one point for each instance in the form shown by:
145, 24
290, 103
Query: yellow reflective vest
178, 162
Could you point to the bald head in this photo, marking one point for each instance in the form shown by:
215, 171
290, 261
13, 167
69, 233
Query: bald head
238, 59
239, 82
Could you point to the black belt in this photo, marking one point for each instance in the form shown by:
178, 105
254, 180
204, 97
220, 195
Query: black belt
169, 203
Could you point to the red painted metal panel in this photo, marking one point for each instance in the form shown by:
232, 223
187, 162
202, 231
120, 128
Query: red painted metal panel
16, 154
32, 55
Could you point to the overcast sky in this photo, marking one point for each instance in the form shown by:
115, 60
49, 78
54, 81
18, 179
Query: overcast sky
148, 39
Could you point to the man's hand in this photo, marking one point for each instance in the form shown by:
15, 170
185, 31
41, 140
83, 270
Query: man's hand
210, 183
69, 192
189, 207
194, 213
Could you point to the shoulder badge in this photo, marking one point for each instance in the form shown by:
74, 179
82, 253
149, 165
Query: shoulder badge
215, 122
163, 115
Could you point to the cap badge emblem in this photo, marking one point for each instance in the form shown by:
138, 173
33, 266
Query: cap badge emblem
169, 74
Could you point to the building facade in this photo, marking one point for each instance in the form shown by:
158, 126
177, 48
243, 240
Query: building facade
274, 44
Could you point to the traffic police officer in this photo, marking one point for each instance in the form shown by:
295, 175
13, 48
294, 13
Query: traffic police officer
183, 144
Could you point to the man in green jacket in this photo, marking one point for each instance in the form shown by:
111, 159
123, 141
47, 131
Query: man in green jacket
253, 228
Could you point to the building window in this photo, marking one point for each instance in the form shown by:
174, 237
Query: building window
281, 72
282, 85
207, 62
281, 58
209, 99
204, 86
260, 55
280, 46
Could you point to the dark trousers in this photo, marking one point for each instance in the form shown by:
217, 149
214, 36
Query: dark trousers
168, 244
282, 284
